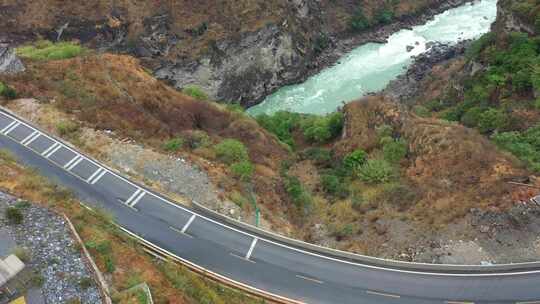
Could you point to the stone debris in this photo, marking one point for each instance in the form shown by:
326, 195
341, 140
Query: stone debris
53, 253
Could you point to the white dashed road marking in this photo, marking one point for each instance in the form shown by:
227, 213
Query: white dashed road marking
382, 294
30, 138
132, 197
250, 251
309, 279
58, 146
186, 226
53, 146
98, 171
136, 200
10, 127
103, 171
75, 163
73, 160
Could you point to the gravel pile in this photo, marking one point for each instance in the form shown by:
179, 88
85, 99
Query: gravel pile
53, 253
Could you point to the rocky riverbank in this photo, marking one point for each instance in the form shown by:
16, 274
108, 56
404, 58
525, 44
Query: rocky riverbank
406, 86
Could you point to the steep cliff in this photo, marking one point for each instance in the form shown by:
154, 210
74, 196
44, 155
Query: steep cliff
237, 51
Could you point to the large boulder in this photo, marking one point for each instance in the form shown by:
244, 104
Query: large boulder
9, 62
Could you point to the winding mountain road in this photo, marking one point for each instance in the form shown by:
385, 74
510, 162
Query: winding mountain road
254, 260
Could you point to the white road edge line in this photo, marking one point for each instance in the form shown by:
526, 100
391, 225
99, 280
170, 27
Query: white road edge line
27, 138
186, 226
53, 150
10, 127
69, 163
358, 264
529, 302
383, 294
309, 279
98, 177
250, 251
135, 201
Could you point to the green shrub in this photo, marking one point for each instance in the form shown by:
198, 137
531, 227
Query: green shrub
195, 92
354, 160
537, 103
198, 139
22, 253
492, 120
7, 91
242, 170
14, 215
321, 129
319, 156
330, 183
321, 43
344, 231
299, 196
434, 106
421, 111
535, 77
46, 50
471, 118
66, 128
235, 107
384, 131
376, 171
173, 145
473, 52
110, 266
384, 16
231, 151
86, 283
525, 145
281, 124
395, 150
359, 22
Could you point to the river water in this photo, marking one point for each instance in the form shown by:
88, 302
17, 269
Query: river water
370, 67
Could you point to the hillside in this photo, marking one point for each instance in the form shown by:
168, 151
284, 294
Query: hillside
237, 51
431, 179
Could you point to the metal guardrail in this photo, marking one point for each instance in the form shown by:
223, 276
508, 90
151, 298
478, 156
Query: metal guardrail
369, 260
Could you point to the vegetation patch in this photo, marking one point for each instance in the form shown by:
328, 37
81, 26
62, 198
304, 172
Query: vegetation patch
7, 91
313, 128
231, 150
46, 50
195, 92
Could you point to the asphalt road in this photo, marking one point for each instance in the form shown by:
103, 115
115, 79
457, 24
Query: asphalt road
252, 260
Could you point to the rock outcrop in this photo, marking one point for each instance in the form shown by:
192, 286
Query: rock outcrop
9, 62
